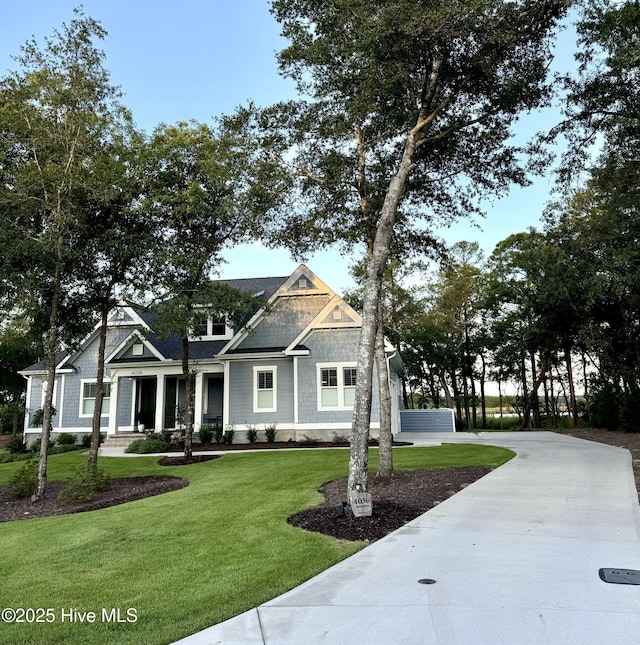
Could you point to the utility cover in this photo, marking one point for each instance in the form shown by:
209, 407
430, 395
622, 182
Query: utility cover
620, 576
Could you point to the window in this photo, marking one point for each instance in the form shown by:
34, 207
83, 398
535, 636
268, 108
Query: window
211, 327
349, 390
336, 386
88, 400
329, 387
201, 326
264, 391
137, 349
218, 326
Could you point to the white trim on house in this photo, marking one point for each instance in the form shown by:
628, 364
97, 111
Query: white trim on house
43, 391
315, 287
228, 333
342, 391
296, 390
134, 321
257, 371
317, 323
61, 406
135, 334
89, 415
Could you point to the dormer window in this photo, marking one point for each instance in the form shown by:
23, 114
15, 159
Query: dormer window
211, 327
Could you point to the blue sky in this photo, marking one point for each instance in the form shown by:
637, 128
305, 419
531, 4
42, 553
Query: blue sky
196, 59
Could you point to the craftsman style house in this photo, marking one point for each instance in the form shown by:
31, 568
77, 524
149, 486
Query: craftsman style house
293, 364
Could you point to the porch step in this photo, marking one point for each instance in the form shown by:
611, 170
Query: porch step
122, 440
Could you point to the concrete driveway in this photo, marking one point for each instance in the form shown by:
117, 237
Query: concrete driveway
515, 559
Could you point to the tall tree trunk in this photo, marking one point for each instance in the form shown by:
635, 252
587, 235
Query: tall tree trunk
535, 403
359, 454
188, 380
448, 400
500, 403
405, 396
483, 400
385, 452
554, 403
545, 364
526, 417
97, 410
587, 401
52, 346
465, 393
572, 388
456, 395
15, 418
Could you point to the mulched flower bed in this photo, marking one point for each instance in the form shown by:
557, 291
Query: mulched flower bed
396, 501
182, 461
121, 490
282, 445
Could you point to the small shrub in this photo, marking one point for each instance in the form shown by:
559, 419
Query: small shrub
307, 441
252, 434
7, 457
83, 485
35, 446
65, 439
24, 482
16, 445
218, 434
270, 432
85, 440
144, 446
205, 433
500, 423
57, 450
229, 434
340, 439
177, 440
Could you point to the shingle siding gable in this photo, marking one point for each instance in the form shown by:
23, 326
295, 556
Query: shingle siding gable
283, 322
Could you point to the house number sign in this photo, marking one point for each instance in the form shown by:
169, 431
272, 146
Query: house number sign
361, 503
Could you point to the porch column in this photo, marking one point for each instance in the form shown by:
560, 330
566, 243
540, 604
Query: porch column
113, 405
295, 390
160, 386
225, 394
61, 406
198, 402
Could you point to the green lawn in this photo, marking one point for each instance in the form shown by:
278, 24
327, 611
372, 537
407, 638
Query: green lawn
187, 559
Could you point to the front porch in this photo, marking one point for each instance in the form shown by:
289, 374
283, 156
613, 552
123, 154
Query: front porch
146, 401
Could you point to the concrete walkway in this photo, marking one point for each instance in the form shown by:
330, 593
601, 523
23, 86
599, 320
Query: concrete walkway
515, 559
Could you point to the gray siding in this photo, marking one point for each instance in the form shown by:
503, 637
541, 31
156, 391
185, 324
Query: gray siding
327, 346
85, 368
147, 354
438, 420
35, 402
284, 322
125, 402
241, 393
